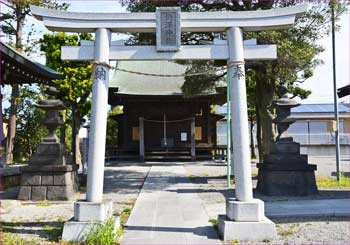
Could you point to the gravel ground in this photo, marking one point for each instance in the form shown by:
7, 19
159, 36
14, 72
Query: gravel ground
330, 230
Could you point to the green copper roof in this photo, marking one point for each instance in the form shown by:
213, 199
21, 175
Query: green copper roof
136, 84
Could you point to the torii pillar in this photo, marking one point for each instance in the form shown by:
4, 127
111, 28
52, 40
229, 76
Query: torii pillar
245, 217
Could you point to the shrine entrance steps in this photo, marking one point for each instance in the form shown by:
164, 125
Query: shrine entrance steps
168, 211
162, 154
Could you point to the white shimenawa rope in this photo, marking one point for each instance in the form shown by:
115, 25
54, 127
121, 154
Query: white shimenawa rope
230, 64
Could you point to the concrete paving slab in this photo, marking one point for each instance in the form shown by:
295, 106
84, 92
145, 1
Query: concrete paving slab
163, 215
307, 208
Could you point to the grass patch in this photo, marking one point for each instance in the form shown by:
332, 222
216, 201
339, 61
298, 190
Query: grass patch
5, 228
54, 233
294, 225
266, 241
332, 183
7, 239
191, 177
235, 241
43, 204
103, 234
130, 202
124, 216
285, 233
215, 223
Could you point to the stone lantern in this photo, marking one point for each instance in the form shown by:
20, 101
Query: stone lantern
285, 171
49, 176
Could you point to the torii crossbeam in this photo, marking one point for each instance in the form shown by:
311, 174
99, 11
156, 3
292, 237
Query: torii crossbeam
243, 214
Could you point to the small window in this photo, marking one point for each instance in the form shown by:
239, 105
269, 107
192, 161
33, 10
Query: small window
135, 133
198, 133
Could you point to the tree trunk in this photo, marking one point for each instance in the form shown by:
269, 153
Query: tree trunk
75, 136
258, 133
264, 97
11, 133
2, 142
252, 143
15, 91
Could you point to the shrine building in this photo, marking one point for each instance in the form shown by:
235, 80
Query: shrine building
174, 127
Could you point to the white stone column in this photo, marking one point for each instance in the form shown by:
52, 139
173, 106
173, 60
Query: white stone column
239, 116
97, 137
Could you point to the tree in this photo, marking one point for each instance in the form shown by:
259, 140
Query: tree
12, 23
297, 58
29, 127
251, 113
112, 126
76, 85
297, 54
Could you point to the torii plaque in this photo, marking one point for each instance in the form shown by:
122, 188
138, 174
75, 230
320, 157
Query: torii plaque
243, 213
168, 29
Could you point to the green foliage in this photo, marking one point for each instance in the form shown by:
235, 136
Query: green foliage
76, 85
68, 135
11, 239
29, 130
13, 20
215, 223
332, 183
53, 233
285, 233
112, 126
43, 204
102, 234
235, 241
124, 216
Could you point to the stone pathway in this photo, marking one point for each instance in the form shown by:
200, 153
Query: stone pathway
165, 213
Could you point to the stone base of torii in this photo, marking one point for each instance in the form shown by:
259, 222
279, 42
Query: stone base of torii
244, 219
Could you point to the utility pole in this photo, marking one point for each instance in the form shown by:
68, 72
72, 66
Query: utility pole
336, 114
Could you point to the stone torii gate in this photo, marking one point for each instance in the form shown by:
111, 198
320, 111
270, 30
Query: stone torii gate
244, 217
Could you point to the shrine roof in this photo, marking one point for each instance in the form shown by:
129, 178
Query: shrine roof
136, 84
17, 68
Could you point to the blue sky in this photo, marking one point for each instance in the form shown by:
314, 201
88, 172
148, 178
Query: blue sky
321, 84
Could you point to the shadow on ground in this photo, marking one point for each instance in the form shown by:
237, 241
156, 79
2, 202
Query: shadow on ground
205, 186
207, 231
293, 220
47, 230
